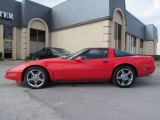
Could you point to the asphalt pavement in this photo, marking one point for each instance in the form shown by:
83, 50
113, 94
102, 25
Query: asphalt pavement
80, 101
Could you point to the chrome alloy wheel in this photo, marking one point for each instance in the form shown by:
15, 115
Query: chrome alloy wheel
35, 78
125, 77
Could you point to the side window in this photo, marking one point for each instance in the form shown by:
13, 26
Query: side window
42, 51
119, 53
49, 51
95, 54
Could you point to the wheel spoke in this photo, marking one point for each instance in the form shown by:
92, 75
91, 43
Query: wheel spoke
32, 73
123, 73
35, 83
42, 80
129, 73
122, 82
31, 79
39, 73
119, 77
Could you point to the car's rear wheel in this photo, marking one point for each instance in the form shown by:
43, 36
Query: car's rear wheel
124, 77
36, 78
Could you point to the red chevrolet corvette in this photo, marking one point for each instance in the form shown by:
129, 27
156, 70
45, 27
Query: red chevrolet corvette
87, 65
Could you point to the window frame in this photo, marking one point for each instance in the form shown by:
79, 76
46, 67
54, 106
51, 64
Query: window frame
78, 54
129, 54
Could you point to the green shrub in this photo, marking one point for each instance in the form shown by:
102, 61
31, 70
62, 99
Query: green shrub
156, 57
28, 58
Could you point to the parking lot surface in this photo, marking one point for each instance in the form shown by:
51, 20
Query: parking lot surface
80, 101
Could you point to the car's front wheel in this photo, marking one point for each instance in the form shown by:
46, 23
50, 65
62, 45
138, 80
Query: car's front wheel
124, 76
36, 78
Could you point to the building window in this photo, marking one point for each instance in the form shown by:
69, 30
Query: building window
37, 40
117, 35
8, 33
133, 45
141, 46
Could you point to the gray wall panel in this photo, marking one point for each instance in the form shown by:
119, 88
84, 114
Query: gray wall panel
134, 26
77, 11
151, 32
14, 7
32, 10
117, 4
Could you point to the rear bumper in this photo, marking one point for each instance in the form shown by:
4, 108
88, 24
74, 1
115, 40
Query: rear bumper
145, 71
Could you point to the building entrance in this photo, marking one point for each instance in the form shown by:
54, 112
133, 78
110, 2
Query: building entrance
8, 49
8, 42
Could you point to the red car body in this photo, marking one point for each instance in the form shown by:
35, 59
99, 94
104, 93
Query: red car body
63, 70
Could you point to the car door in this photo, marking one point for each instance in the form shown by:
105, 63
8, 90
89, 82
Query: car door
92, 67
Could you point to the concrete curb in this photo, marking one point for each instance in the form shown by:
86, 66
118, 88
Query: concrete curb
8, 62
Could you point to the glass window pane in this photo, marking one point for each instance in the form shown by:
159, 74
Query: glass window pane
8, 32
95, 54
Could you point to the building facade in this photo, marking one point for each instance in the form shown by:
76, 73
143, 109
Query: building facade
26, 27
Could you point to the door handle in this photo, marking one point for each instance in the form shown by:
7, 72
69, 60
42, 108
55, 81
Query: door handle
105, 61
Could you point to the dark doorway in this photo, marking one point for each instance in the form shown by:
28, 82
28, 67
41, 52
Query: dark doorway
8, 40
8, 49
117, 35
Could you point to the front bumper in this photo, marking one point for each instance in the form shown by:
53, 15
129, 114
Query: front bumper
14, 75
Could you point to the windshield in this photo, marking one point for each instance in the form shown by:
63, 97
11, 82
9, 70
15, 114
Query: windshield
73, 56
61, 51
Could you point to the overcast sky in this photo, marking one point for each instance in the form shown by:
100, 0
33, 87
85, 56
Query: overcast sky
147, 11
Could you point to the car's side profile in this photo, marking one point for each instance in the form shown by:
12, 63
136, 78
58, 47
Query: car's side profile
87, 65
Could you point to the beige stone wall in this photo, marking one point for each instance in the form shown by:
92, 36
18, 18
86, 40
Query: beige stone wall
14, 44
155, 46
137, 45
24, 43
97, 34
128, 42
149, 48
18, 43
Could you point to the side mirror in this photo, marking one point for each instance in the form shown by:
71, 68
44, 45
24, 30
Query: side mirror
79, 59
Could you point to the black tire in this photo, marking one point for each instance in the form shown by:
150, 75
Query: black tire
36, 78
124, 77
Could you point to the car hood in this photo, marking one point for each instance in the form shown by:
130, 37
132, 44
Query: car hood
42, 63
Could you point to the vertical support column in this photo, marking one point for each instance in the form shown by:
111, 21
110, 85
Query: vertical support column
1, 40
137, 46
130, 45
106, 33
127, 42
23, 43
123, 38
144, 47
14, 46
